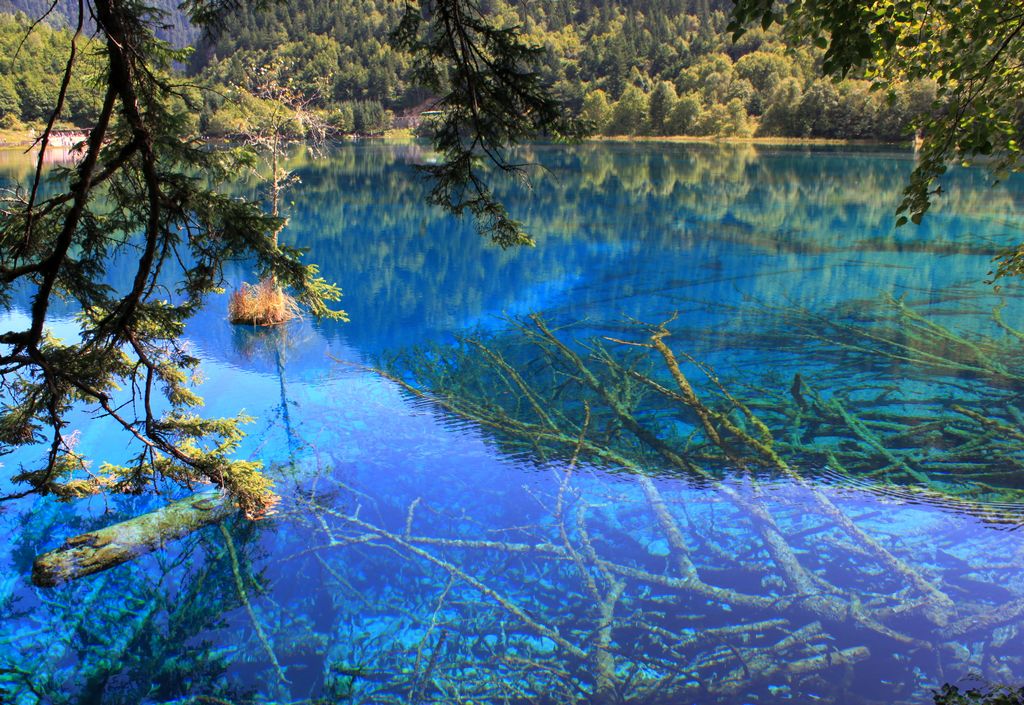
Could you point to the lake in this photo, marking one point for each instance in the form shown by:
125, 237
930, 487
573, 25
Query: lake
725, 435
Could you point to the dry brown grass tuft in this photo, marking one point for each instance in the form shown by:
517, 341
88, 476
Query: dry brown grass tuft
263, 304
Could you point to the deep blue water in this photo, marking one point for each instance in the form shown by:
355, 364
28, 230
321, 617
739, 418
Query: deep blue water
420, 556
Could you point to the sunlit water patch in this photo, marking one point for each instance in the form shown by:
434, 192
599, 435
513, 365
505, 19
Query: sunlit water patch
537, 510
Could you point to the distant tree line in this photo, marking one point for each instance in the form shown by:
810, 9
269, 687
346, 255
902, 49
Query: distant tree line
31, 71
647, 67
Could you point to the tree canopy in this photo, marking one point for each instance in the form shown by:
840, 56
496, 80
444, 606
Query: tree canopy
343, 61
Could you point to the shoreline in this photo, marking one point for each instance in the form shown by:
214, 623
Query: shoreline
20, 139
797, 141
10, 139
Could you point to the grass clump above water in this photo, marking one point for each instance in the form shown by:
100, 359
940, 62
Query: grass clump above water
262, 304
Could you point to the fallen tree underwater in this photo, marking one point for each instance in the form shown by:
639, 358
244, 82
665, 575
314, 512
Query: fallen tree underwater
113, 545
626, 403
755, 577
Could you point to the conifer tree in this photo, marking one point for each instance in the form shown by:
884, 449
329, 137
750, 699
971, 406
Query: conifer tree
663, 99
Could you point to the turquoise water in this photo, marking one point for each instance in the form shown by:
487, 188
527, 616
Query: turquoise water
520, 541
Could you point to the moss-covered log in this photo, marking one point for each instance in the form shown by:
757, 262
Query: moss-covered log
113, 545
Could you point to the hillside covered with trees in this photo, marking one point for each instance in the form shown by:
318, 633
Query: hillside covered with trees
645, 67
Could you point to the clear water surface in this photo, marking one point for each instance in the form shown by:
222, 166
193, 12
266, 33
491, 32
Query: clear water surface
428, 553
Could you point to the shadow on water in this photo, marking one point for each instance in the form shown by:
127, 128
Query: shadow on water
805, 490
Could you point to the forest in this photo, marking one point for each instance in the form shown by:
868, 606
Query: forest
641, 68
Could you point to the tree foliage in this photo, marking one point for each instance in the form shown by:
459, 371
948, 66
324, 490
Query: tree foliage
586, 46
342, 58
31, 72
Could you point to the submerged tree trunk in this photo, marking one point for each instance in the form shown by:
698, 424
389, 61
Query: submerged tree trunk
113, 545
